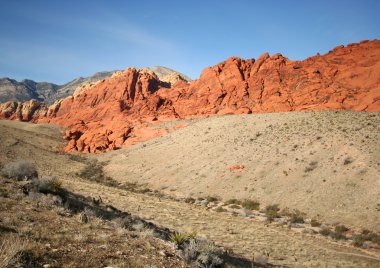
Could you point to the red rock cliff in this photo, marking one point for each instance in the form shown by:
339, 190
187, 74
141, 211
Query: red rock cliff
112, 112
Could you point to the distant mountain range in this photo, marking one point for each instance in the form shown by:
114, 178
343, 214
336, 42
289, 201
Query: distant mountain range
12, 90
20, 91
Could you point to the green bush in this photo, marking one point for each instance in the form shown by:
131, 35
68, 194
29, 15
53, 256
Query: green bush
178, 238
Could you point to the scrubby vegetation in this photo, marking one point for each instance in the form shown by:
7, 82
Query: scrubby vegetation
93, 171
250, 204
272, 212
202, 253
20, 170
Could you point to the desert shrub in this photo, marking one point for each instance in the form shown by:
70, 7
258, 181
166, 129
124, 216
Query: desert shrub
211, 199
189, 200
202, 253
358, 241
315, 223
348, 160
235, 206
93, 171
178, 238
341, 229
220, 209
337, 236
271, 212
233, 201
19, 170
143, 190
312, 165
250, 204
48, 185
297, 217
325, 231
366, 235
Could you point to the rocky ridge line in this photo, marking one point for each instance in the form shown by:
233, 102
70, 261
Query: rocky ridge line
117, 111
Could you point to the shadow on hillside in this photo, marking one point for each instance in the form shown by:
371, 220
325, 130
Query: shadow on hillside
77, 203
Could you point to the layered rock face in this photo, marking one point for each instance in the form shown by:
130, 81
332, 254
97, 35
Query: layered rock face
115, 112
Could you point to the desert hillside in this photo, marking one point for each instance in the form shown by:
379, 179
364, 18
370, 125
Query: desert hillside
112, 112
103, 222
324, 163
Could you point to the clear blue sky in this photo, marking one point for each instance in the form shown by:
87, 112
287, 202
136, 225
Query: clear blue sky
57, 41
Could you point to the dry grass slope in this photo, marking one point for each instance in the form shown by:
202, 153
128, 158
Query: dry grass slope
326, 164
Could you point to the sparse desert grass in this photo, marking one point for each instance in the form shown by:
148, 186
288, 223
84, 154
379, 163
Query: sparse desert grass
11, 248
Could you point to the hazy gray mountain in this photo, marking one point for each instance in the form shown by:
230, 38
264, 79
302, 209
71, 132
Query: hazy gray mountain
69, 88
12, 90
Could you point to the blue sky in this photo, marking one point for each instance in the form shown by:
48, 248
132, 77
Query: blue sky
57, 41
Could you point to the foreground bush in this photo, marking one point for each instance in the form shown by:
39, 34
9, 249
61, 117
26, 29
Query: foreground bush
20, 170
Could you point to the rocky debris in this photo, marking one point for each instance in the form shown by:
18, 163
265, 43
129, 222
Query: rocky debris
236, 168
120, 110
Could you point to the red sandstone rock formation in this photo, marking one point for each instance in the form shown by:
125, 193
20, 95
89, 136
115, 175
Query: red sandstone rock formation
114, 112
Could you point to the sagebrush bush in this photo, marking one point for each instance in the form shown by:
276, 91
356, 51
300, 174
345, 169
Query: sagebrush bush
20, 170
48, 185
202, 253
